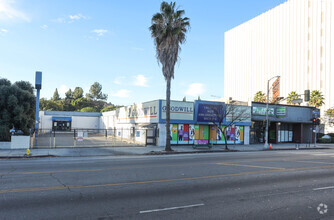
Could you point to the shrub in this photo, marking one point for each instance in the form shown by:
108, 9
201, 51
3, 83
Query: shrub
324, 140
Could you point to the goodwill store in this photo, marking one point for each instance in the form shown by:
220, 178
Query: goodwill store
192, 123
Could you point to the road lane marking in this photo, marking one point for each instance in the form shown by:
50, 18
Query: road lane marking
316, 162
246, 165
171, 208
93, 170
328, 187
157, 181
139, 167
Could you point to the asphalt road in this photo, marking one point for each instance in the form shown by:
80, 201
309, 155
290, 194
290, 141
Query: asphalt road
238, 185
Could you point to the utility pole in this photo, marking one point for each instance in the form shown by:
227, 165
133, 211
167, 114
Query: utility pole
267, 109
38, 86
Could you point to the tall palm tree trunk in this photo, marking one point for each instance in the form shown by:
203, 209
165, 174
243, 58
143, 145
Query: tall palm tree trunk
168, 148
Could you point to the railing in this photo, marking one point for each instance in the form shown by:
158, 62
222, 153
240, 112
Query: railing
48, 138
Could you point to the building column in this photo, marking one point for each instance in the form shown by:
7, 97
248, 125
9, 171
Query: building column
301, 133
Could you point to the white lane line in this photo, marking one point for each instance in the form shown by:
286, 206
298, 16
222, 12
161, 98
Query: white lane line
171, 208
328, 187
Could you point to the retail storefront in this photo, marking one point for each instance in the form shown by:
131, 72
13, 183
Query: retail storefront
287, 124
190, 122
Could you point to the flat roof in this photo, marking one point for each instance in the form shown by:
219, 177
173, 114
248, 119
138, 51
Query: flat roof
64, 113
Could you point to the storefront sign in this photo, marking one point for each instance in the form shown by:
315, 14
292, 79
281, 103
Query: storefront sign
210, 112
201, 142
145, 112
178, 110
281, 111
262, 111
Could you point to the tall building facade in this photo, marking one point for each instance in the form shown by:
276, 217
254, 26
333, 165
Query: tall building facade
294, 40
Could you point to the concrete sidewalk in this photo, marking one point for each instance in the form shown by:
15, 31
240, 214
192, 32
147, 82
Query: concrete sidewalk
121, 151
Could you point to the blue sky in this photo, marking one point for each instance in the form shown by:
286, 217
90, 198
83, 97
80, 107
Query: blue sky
79, 42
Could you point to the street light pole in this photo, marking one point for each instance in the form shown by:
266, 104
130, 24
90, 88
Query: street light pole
267, 109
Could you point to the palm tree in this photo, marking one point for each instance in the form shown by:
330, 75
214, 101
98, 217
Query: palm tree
168, 30
260, 97
292, 96
316, 98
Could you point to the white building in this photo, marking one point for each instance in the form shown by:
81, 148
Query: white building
294, 40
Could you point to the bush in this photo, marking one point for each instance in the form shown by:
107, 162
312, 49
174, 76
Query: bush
4, 133
325, 140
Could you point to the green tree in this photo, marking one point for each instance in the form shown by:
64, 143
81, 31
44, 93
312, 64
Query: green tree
81, 103
17, 106
69, 95
109, 108
330, 114
68, 101
260, 97
95, 92
77, 93
88, 109
50, 105
168, 30
56, 96
316, 98
292, 96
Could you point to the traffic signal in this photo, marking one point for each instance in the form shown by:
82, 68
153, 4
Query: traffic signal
314, 120
307, 95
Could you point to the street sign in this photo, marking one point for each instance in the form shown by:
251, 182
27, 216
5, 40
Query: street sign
297, 101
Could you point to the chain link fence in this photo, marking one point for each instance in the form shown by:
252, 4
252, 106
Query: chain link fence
95, 138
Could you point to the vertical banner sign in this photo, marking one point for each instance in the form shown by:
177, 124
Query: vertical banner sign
197, 133
276, 86
186, 133
213, 133
239, 134
173, 131
206, 132
182, 134
191, 134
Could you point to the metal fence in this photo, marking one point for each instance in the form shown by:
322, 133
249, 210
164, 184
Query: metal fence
95, 138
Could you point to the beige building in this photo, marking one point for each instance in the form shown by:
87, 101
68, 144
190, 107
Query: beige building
294, 40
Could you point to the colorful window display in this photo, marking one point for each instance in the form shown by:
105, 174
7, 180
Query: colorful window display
191, 134
173, 133
213, 134
234, 135
205, 134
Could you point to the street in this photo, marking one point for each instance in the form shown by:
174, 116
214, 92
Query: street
238, 185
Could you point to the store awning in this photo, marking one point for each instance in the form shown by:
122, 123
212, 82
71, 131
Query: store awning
61, 118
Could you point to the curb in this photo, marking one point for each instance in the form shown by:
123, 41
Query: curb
25, 157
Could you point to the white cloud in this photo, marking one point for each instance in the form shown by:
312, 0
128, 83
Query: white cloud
100, 32
77, 17
70, 18
3, 30
44, 27
63, 89
140, 80
195, 89
123, 93
8, 12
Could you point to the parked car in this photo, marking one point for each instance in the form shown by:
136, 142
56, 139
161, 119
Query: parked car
14, 131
